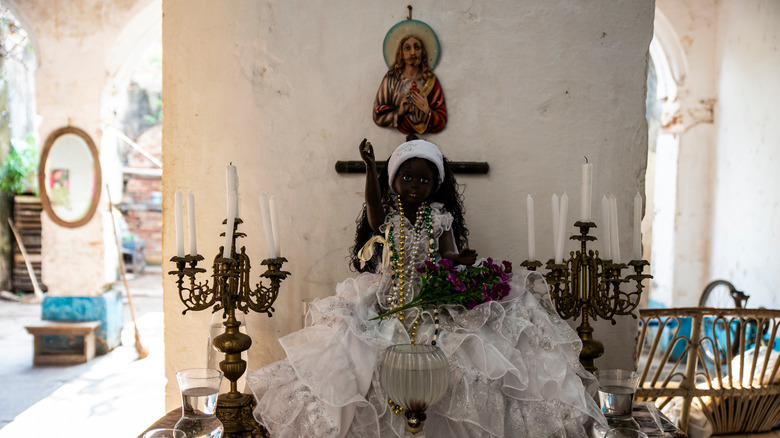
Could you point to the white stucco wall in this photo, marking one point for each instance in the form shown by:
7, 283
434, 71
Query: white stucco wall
727, 200
72, 46
284, 90
746, 205
695, 23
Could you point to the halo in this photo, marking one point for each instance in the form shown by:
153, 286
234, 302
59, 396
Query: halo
411, 27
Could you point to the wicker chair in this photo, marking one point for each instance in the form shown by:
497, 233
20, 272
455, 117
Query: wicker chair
708, 359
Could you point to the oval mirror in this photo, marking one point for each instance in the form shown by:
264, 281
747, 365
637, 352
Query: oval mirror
69, 177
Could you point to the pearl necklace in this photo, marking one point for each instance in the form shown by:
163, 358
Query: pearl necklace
403, 271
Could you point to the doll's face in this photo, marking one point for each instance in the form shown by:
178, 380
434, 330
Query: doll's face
415, 181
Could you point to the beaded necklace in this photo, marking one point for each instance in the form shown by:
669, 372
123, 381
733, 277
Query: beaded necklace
404, 270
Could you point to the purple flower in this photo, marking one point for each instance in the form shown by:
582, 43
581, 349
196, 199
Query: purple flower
429, 266
497, 271
446, 264
499, 290
444, 283
456, 281
486, 293
507, 266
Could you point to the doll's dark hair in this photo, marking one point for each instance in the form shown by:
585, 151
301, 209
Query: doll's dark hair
448, 193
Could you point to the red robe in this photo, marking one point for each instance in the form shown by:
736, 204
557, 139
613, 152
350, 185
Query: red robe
394, 89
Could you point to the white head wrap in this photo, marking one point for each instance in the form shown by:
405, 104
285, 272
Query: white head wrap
415, 149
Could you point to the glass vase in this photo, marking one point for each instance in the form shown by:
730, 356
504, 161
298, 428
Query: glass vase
414, 376
616, 396
199, 388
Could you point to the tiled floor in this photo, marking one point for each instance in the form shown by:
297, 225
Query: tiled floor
114, 395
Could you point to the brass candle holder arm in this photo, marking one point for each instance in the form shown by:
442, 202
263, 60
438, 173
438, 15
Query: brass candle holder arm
588, 287
230, 292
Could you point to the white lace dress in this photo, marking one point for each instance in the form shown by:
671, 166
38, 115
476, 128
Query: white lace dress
514, 366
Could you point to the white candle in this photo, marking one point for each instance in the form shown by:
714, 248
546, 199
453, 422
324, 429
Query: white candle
226, 250
238, 203
191, 217
564, 213
613, 228
586, 191
269, 235
275, 226
179, 224
232, 187
555, 211
607, 246
638, 226
529, 204
231, 180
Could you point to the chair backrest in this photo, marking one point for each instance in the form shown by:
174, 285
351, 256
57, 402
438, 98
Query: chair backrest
723, 361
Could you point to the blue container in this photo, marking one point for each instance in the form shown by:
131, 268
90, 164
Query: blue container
106, 308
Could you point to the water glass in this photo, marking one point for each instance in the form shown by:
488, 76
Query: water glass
165, 433
199, 389
616, 392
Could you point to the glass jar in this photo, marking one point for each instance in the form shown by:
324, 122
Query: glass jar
199, 388
414, 376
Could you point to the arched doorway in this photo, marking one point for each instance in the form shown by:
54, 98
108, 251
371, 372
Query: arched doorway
131, 118
19, 153
667, 70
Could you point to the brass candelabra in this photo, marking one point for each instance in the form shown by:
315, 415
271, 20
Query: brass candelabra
230, 291
586, 286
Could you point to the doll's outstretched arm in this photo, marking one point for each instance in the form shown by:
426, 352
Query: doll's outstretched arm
374, 211
448, 250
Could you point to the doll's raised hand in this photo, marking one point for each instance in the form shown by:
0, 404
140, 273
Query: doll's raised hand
367, 153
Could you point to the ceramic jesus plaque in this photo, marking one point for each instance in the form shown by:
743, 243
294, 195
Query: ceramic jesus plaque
410, 97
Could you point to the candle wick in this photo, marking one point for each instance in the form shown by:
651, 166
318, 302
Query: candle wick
586, 160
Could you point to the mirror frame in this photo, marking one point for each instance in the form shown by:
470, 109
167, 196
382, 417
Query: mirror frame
44, 195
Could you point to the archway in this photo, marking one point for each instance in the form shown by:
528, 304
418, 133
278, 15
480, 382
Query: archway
19, 152
131, 117
668, 68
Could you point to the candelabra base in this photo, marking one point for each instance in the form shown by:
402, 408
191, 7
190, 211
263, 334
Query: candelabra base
591, 348
235, 413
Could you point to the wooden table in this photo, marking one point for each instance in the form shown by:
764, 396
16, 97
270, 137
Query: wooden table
169, 421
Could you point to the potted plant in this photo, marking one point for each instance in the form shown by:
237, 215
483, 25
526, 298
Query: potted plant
18, 167
17, 176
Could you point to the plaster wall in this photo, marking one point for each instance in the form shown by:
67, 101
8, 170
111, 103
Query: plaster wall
726, 183
285, 89
746, 205
72, 45
695, 23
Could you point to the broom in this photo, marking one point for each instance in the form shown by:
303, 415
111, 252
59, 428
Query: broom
142, 351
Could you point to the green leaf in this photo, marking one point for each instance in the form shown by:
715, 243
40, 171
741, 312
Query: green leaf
20, 163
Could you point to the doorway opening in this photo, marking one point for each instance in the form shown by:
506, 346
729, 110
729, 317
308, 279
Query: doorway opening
131, 141
666, 70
